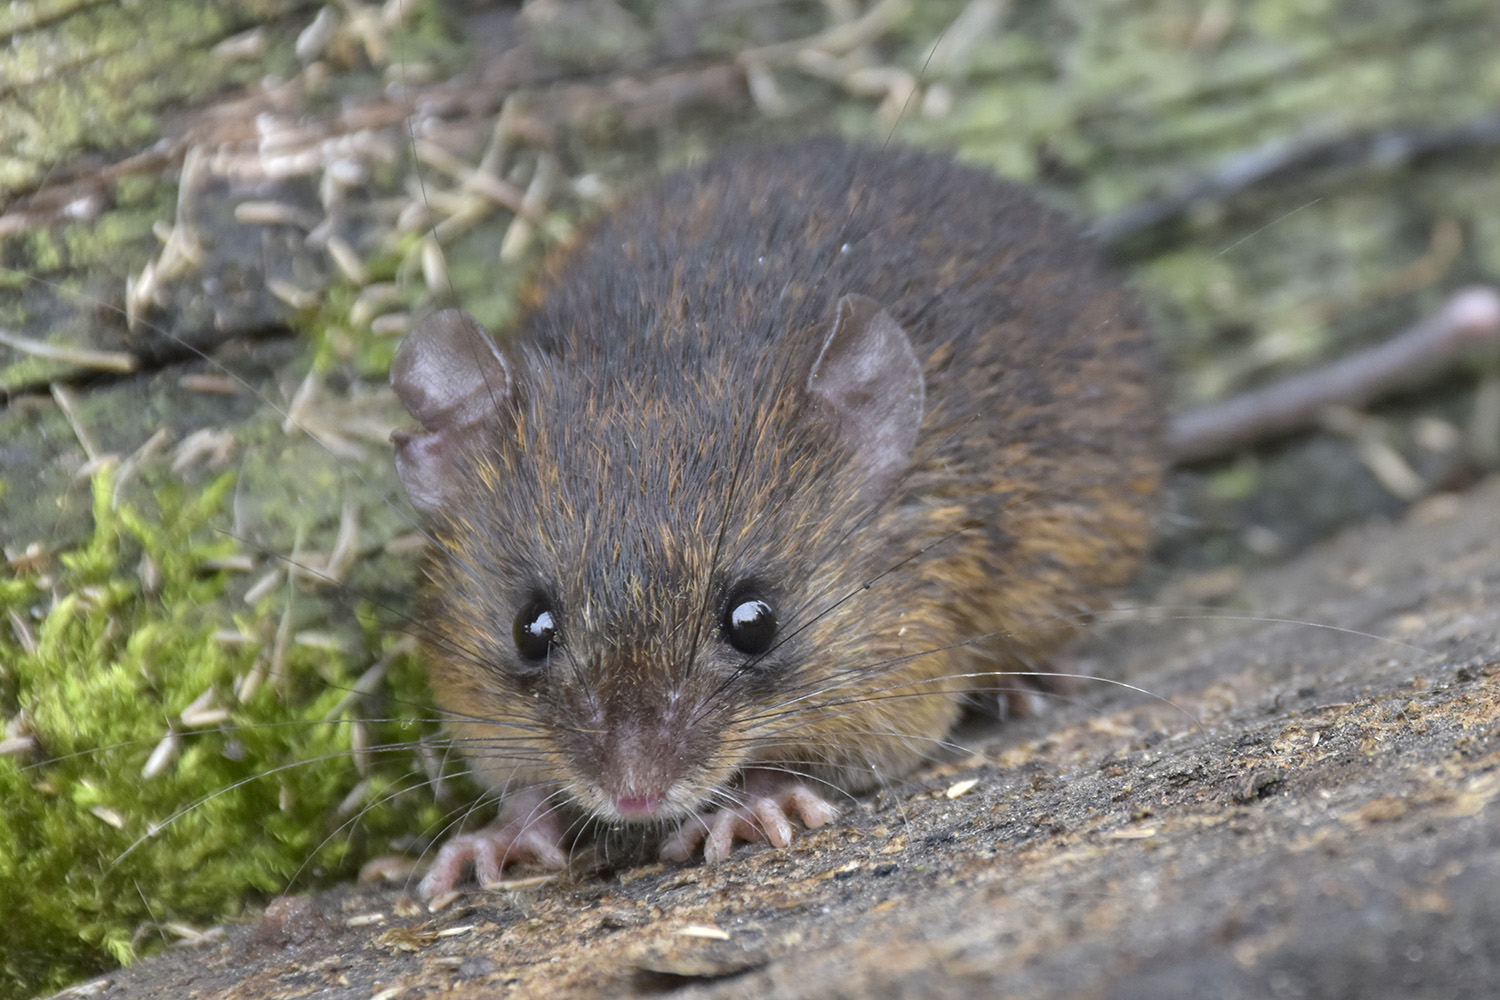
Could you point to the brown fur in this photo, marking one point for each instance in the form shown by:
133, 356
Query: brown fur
659, 448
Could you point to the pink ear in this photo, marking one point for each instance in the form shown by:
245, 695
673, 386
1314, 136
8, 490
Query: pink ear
868, 380
451, 377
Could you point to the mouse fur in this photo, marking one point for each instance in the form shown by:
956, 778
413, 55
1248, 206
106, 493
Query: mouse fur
886, 396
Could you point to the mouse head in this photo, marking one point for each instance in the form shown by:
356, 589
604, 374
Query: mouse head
639, 564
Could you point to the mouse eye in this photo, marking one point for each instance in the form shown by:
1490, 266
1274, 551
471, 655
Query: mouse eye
749, 625
535, 631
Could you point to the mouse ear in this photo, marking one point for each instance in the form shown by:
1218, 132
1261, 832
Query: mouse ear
451, 377
868, 381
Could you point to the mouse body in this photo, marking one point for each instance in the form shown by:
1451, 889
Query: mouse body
789, 455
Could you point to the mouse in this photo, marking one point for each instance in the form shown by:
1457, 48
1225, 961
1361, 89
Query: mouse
789, 457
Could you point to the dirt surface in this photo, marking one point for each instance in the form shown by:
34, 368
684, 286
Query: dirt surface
1300, 810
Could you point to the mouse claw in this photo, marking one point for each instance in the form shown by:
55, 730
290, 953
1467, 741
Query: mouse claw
764, 813
527, 830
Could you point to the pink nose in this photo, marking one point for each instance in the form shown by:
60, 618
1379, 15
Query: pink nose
637, 806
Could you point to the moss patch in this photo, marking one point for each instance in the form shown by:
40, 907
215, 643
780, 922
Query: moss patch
126, 700
90, 75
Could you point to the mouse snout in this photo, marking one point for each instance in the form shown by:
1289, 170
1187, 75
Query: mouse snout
638, 768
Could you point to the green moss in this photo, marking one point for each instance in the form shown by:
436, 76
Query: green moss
91, 245
98, 76
42, 250
1236, 481
429, 34
93, 852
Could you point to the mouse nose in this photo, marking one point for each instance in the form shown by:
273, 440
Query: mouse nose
637, 806
635, 770
638, 753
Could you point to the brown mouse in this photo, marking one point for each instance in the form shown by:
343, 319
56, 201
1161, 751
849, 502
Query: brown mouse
791, 454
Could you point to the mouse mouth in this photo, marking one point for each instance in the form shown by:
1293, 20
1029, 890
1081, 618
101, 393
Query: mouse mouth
635, 807
639, 802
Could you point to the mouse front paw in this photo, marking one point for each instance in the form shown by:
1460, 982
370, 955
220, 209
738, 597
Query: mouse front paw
764, 811
527, 830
